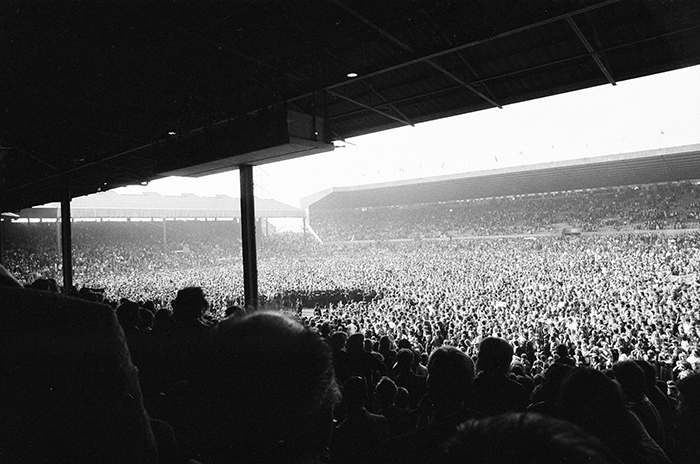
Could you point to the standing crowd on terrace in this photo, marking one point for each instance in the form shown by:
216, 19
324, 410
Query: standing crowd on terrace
492, 349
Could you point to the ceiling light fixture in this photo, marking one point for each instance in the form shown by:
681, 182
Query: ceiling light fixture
352, 74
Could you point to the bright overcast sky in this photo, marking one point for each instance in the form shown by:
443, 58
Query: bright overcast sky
662, 110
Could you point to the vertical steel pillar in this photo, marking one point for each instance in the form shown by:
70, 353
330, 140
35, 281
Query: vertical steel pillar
66, 241
2, 223
58, 232
250, 259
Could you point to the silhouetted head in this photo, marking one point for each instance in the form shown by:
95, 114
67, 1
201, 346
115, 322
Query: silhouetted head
525, 438
355, 392
190, 303
689, 393
562, 350
631, 379
355, 343
495, 356
553, 377
338, 340
385, 391
271, 390
128, 314
385, 343
46, 285
649, 373
593, 401
404, 359
450, 373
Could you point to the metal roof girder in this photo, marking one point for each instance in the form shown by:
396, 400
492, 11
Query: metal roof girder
410, 50
592, 52
371, 108
465, 46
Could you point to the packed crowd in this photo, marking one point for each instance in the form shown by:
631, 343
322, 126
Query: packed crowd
398, 313
653, 207
605, 296
261, 387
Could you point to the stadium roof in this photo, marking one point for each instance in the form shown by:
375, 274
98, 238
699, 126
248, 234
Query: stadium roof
645, 167
95, 95
154, 205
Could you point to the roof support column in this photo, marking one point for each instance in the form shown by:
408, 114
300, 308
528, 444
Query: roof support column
2, 224
250, 260
66, 240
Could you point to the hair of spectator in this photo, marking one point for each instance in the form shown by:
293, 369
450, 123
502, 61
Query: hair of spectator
190, 302
631, 378
355, 343
525, 438
495, 356
404, 358
385, 391
450, 372
272, 383
593, 401
689, 387
355, 392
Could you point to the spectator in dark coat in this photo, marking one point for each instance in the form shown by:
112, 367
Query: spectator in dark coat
357, 438
593, 401
267, 395
662, 403
687, 431
359, 363
545, 395
630, 376
450, 373
398, 418
406, 378
562, 356
492, 391
70, 392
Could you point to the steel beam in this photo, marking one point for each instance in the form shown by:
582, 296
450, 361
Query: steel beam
66, 239
355, 102
592, 52
409, 49
461, 47
250, 258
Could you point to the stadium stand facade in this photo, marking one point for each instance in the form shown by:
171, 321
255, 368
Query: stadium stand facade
648, 190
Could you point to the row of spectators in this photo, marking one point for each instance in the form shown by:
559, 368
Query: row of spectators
259, 387
606, 296
594, 302
652, 207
